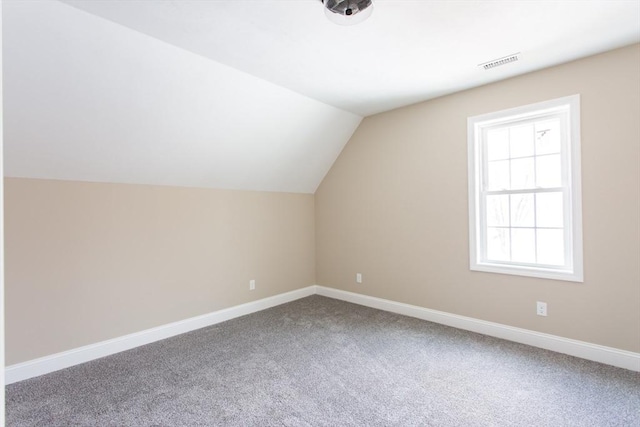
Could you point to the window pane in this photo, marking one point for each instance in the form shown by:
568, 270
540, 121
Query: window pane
551, 247
498, 211
498, 244
498, 175
548, 137
523, 245
521, 141
498, 144
522, 173
522, 210
549, 210
548, 171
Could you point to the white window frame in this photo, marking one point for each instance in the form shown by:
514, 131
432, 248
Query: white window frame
568, 110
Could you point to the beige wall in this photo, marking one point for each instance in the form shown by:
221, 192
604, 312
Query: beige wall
394, 207
87, 262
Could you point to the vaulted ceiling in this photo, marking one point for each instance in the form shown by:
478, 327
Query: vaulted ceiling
256, 95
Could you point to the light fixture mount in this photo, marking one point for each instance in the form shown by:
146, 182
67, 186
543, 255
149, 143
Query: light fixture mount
347, 12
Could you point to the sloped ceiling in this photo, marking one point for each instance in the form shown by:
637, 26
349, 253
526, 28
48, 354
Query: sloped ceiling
86, 99
258, 95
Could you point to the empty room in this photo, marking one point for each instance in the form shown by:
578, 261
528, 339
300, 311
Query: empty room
320, 213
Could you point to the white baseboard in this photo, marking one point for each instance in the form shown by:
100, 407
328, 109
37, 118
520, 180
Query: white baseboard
55, 362
584, 350
598, 353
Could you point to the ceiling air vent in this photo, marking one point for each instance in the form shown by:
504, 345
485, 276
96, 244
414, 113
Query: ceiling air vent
500, 61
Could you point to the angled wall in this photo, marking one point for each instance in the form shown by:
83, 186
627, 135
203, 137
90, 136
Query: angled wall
394, 207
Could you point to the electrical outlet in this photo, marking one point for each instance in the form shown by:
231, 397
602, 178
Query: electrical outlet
358, 277
252, 284
541, 308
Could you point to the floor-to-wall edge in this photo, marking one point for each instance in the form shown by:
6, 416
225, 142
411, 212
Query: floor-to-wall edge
44, 365
55, 362
597, 353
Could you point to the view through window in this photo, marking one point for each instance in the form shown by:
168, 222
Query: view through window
524, 190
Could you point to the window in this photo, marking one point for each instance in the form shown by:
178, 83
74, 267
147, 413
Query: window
524, 191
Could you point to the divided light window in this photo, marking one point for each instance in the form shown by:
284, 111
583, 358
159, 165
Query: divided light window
524, 190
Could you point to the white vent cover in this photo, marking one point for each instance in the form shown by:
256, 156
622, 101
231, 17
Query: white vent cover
500, 61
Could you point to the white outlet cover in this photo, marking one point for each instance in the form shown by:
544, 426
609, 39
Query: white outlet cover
541, 308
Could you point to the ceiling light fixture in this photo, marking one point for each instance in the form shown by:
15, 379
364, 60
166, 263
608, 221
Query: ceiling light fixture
347, 12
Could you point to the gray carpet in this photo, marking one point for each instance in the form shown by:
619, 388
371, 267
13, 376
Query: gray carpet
323, 362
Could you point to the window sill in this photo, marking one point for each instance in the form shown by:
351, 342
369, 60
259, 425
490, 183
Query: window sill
542, 273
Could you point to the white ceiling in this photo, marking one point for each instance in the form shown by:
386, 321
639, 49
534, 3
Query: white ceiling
406, 52
86, 99
260, 94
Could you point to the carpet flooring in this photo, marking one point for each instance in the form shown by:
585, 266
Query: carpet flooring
323, 362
